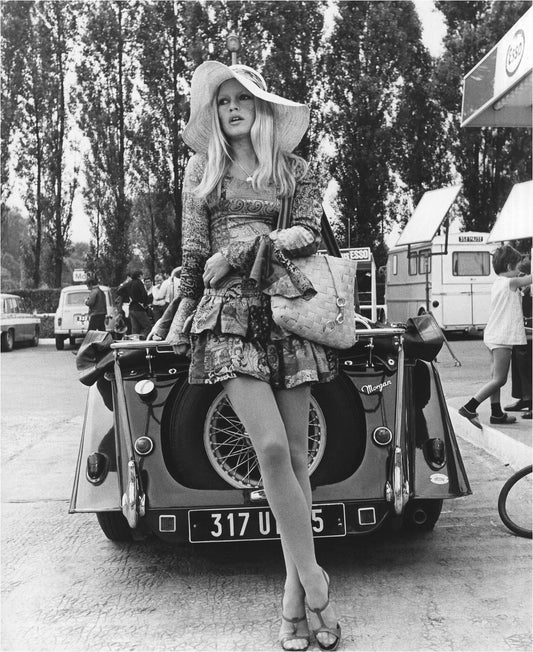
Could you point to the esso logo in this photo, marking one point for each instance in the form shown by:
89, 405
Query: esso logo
515, 52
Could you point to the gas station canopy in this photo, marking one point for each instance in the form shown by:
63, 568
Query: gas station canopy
428, 216
497, 92
515, 219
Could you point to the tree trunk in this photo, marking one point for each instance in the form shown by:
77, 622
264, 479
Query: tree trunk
59, 244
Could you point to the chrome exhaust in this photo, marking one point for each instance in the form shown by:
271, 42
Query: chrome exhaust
420, 516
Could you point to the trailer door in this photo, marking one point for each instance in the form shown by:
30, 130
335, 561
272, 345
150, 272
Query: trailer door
467, 283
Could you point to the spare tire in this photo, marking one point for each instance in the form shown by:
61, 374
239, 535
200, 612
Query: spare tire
206, 447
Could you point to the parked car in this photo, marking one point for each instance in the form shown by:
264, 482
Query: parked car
71, 318
18, 325
159, 456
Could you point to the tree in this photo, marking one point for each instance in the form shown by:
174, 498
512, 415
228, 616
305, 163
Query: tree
370, 109
60, 20
489, 160
14, 238
105, 77
33, 124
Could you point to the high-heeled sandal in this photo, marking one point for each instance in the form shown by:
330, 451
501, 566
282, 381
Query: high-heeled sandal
293, 635
324, 629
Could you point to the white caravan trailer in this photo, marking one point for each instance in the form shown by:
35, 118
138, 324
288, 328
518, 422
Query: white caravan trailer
454, 286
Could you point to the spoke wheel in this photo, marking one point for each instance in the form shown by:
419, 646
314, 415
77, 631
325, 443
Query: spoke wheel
230, 450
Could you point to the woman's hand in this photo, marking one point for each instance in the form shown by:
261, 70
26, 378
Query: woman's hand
294, 238
183, 349
215, 269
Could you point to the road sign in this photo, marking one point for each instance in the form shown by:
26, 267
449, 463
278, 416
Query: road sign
79, 276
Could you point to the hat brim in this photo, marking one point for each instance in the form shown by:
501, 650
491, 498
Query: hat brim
291, 119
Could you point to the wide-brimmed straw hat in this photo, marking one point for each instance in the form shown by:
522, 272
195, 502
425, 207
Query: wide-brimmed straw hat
291, 119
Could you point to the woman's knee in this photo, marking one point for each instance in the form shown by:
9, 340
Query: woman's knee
273, 452
299, 460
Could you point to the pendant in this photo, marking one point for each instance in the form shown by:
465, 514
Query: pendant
249, 179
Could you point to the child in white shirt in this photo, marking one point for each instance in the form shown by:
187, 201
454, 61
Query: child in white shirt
505, 328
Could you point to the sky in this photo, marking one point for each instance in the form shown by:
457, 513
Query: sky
433, 31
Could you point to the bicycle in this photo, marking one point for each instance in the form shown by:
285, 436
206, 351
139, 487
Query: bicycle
514, 503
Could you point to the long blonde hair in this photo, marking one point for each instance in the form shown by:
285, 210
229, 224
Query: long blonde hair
276, 166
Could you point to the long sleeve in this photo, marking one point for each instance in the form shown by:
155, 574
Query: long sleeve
195, 251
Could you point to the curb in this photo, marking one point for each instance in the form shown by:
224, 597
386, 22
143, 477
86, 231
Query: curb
509, 451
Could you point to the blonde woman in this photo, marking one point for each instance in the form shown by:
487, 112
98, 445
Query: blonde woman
243, 137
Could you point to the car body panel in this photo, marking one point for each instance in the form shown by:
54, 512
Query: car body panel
15, 318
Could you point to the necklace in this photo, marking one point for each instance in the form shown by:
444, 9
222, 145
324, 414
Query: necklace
248, 175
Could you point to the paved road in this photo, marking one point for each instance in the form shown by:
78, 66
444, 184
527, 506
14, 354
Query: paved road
465, 586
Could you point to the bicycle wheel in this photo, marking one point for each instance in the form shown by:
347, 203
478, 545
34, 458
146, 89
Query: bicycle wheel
514, 502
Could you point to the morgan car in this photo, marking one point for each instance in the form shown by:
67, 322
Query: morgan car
161, 457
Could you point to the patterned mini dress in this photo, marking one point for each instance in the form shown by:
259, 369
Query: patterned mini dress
230, 327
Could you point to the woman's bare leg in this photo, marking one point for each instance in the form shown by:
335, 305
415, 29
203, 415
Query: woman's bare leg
258, 410
293, 405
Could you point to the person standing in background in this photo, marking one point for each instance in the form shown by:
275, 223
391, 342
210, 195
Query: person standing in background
97, 305
158, 298
521, 357
122, 302
172, 288
140, 322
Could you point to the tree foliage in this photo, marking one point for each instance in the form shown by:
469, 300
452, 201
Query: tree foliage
384, 116
104, 94
376, 98
489, 160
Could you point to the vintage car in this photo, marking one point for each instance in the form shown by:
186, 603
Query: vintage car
71, 318
160, 456
18, 325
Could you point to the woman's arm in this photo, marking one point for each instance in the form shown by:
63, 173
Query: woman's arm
519, 281
196, 250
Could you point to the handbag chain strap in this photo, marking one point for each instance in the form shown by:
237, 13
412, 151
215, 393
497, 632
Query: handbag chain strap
340, 301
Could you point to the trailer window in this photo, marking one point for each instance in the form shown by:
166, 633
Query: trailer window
424, 258
471, 263
413, 263
394, 264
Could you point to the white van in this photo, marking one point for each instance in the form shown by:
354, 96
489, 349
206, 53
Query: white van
71, 318
454, 286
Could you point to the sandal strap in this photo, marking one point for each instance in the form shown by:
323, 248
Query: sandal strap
295, 620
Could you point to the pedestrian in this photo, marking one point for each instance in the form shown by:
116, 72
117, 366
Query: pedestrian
172, 285
159, 302
505, 329
149, 286
521, 357
139, 301
244, 137
97, 305
122, 301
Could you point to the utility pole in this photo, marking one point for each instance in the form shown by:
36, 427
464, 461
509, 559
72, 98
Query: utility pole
233, 44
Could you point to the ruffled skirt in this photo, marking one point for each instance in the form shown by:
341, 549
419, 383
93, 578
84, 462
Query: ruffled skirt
232, 333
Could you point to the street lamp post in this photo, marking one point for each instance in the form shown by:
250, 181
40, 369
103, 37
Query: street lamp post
233, 44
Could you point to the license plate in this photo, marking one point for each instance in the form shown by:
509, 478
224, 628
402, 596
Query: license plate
258, 523
80, 318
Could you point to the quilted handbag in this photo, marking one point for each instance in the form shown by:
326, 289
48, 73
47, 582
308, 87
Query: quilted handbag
328, 317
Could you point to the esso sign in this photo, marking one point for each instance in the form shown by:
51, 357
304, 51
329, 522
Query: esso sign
515, 51
359, 253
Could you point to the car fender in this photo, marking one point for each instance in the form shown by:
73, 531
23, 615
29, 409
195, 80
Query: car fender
98, 435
